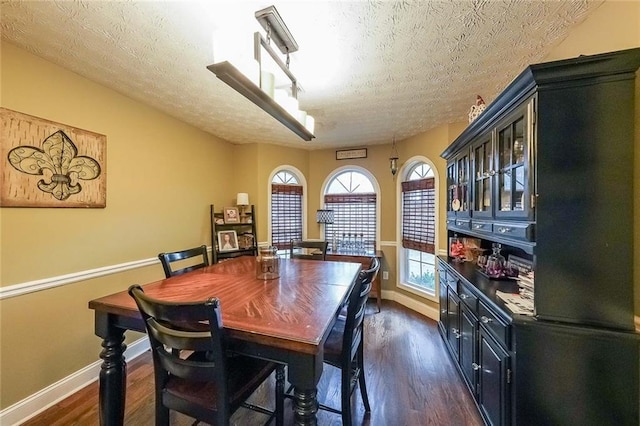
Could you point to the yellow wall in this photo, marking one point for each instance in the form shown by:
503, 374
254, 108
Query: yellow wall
162, 175
613, 26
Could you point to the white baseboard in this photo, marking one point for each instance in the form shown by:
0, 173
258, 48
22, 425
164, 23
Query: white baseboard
29, 407
414, 305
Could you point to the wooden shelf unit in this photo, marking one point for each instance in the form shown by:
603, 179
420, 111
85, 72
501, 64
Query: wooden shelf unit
242, 229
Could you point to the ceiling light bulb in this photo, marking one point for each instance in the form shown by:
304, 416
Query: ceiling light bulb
310, 123
302, 117
280, 95
292, 106
266, 82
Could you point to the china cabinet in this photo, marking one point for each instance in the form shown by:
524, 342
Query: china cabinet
550, 162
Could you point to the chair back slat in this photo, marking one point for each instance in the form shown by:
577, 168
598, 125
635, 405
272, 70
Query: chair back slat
177, 327
167, 259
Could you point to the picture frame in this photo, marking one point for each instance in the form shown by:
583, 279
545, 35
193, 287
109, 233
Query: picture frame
245, 241
227, 241
50, 164
231, 215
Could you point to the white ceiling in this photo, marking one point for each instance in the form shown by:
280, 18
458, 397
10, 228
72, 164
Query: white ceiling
369, 69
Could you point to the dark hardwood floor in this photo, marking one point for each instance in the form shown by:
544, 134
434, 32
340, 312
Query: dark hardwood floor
410, 378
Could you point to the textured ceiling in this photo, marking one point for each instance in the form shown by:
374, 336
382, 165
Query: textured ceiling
369, 69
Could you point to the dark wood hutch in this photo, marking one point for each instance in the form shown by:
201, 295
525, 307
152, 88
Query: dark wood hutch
547, 171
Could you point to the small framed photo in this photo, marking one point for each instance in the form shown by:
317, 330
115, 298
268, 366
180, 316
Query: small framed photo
231, 215
227, 241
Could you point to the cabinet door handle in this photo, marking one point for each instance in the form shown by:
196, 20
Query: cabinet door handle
504, 230
475, 366
478, 226
485, 320
444, 311
456, 332
464, 296
492, 173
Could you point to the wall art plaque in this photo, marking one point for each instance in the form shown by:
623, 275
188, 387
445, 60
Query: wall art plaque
48, 164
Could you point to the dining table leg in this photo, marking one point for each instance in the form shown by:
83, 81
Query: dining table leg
304, 373
305, 406
113, 373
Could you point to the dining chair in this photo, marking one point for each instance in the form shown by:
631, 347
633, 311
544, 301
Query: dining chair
344, 348
194, 373
167, 259
315, 250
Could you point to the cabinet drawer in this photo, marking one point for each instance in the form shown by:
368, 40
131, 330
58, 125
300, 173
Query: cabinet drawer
468, 298
481, 226
515, 230
463, 224
495, 325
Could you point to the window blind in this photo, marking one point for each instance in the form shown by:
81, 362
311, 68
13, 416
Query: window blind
354, 223
418, 215
286, 214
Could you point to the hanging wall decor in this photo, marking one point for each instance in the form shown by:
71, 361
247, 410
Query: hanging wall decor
48, 164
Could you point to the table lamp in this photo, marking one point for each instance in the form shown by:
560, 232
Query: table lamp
242, 201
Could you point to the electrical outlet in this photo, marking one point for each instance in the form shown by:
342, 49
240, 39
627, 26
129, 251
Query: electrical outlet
385, 275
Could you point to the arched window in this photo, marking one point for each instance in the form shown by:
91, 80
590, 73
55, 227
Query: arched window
286, 209
417, 270
351, 195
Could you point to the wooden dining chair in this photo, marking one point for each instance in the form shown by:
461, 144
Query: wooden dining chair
167, 259
194, 373
315, 250
344, 348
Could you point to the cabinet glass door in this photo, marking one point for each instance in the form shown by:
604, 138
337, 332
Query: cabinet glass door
513, 159
462, 169
452, 188
458, 184
483, 174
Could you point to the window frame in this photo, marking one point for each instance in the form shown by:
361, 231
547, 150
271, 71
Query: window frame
402, 254
302, 181
376, 188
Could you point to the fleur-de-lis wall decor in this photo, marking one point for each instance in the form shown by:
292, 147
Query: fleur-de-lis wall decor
58, 162
49, 164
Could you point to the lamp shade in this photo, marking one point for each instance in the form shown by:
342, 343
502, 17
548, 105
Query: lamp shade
242, 199
324, 216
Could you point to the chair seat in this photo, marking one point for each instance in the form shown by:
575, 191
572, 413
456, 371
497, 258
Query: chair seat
333, 344
245, 374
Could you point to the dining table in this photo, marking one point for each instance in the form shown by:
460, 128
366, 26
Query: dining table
285, 320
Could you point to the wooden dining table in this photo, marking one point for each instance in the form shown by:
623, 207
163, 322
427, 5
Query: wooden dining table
285, 320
